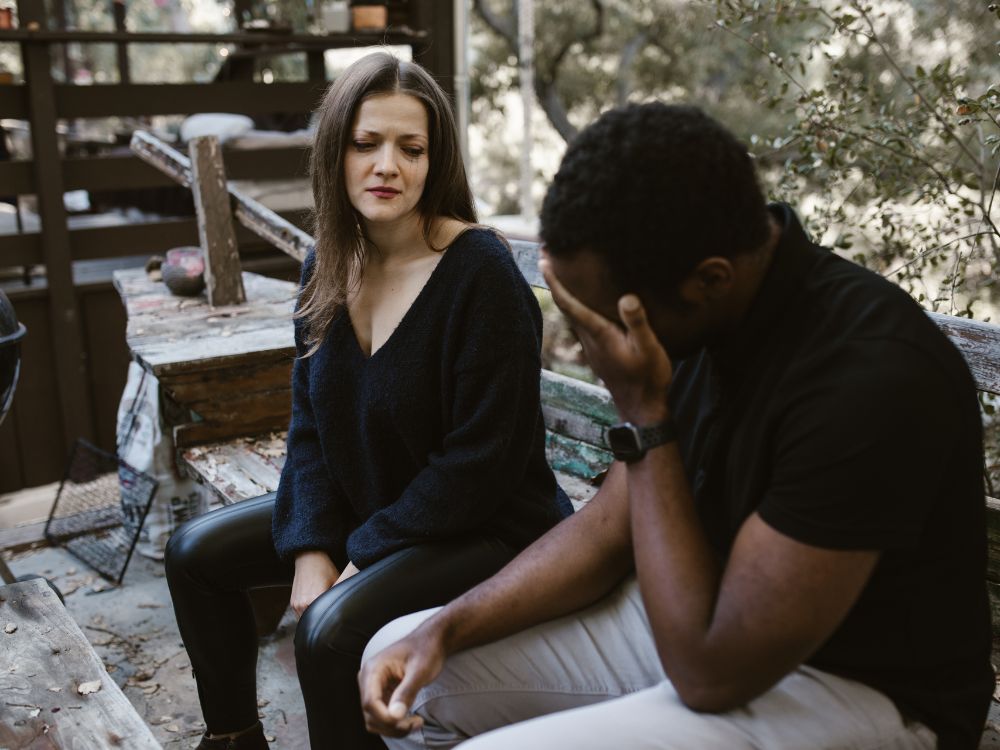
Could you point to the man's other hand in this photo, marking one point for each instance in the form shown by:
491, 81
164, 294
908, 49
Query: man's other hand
390, 680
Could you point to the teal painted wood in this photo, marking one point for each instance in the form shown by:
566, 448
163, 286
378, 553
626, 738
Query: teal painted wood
573, 457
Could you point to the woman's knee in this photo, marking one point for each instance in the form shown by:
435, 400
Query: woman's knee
199, 546
331, 627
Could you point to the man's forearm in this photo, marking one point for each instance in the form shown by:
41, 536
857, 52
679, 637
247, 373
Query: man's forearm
570, 567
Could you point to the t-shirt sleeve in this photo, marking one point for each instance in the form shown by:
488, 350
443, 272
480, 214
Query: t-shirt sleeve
309, 505
860, 453
493, 429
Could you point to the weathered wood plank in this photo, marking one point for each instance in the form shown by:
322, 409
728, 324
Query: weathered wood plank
575, 458
23, 537
248, 467
238, 469
56, 692
246, 407
980, 345
223, 281
168, 335
197, 433
576, 409
526, 255
192, 387
262, 221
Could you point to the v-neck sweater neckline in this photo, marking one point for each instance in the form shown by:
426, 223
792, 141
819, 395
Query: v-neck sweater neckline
424, 292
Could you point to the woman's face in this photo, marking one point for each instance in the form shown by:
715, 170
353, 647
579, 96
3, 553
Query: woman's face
386, 162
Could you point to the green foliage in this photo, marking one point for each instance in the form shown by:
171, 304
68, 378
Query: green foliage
891, 126
878, 121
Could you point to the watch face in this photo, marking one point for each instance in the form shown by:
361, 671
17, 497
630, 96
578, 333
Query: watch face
623, 439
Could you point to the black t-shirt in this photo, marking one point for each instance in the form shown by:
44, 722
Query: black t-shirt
842, 416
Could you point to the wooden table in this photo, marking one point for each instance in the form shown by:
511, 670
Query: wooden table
226, 371
54, 690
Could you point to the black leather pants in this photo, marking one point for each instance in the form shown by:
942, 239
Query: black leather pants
213, 560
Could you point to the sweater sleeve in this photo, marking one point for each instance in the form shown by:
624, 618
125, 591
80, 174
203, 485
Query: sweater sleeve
308, 509
495, 418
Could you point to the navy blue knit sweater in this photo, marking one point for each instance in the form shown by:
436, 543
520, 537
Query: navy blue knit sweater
438, 434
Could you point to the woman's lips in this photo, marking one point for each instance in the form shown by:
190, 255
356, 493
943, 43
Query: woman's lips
383, 192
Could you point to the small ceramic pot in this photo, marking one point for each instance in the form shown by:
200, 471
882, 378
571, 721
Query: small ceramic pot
184, 271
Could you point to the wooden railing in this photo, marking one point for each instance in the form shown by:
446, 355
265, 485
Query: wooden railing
71, 379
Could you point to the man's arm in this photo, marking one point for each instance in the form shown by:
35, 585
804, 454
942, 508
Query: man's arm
573, 565
724, 635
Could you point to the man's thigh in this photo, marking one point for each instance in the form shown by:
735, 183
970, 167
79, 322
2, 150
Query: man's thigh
599, 653
808, 709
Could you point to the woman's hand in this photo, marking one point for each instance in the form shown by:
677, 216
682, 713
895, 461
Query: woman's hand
314, 574
350, 570
632, 363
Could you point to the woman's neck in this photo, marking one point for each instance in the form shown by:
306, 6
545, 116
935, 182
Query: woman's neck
398, 240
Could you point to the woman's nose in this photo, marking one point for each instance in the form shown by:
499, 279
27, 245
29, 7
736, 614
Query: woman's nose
385, 161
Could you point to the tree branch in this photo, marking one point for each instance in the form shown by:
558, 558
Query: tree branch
545, 81
623, 83
505, 27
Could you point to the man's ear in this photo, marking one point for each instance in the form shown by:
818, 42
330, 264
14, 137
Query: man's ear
711, 280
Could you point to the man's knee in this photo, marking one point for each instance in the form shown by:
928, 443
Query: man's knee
394, 631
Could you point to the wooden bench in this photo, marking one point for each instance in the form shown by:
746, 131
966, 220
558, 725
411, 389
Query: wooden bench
576, 414
54, 690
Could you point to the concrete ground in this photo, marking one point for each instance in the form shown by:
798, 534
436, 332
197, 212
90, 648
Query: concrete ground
132, 629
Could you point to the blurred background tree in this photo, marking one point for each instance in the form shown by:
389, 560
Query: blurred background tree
879, 122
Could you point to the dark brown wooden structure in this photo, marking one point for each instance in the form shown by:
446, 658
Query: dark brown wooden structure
75, 357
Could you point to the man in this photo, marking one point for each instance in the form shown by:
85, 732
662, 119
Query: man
799, 493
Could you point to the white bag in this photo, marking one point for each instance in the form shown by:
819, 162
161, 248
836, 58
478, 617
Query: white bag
146, 446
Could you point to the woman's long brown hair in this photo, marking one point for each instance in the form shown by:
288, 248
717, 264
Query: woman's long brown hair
340, 239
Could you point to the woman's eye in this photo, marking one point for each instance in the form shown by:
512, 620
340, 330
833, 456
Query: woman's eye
414, 151
363, 145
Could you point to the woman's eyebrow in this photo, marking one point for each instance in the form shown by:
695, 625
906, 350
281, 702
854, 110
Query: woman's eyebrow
360, 131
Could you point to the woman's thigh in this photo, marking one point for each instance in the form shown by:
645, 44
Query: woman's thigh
343, 619
228, 549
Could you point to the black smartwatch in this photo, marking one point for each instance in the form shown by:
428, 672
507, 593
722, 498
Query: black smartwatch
630, 443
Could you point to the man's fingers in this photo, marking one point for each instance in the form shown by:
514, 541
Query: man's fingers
375, 684
633, 315
403, 695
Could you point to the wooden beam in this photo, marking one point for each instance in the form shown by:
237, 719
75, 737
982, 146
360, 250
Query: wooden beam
67, 338
979, 344
21, 249
137, 100
128, 172
261, 220
16, 177
223, 279
14, 101
278, 40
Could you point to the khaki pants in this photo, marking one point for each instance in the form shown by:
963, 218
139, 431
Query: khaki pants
593, 681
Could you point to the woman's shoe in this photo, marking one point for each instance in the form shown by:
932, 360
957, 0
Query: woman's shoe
252, 739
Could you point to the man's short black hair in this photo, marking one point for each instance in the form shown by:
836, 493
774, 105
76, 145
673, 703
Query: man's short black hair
654, 189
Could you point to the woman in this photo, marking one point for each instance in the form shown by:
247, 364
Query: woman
416, 463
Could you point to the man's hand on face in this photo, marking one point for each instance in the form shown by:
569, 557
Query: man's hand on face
390, 680
631, 362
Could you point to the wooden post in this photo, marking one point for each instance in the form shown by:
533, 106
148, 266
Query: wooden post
223, 277
64, 309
